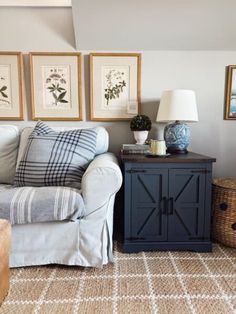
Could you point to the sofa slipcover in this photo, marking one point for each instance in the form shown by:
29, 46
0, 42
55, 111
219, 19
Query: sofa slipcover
9, 141
88, 240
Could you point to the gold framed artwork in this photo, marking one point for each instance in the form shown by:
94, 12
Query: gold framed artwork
11, 86
56, 86
115, 86
230, 99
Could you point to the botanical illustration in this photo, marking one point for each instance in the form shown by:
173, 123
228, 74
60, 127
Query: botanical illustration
232, 111
5, 87
115, 86
56, 87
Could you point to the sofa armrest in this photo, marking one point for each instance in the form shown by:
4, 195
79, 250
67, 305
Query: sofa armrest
101, 180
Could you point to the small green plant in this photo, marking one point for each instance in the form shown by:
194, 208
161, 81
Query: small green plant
140, 123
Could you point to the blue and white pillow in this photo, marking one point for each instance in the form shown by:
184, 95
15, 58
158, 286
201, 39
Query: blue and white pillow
56, 158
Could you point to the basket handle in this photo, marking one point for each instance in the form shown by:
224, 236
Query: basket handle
223, 206
234, 226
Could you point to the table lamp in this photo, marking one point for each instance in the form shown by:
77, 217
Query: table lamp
177, 106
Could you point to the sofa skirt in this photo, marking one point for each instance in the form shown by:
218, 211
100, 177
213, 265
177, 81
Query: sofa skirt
85, 242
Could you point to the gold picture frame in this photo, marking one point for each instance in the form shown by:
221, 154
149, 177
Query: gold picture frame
56, 88
115, 86
11, 85
230, 95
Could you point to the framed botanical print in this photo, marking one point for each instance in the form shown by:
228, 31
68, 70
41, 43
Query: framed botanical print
11, 86
56, 86
230, 99
114, 86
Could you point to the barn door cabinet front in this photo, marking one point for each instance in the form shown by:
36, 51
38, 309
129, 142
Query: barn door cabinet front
167, 205
148, 190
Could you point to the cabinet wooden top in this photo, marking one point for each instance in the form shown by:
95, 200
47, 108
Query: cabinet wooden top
190, 157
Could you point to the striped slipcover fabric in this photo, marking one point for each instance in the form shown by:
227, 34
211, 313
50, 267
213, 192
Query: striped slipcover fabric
56, 158
40, 204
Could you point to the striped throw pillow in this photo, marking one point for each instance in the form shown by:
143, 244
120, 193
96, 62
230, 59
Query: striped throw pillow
56, 158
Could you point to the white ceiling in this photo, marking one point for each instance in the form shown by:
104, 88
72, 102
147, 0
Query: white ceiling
35, 3
155, 24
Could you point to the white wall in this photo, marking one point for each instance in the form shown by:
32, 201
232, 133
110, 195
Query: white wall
155, 24
204, 71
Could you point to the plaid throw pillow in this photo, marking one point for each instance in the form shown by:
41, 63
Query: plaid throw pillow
56, 158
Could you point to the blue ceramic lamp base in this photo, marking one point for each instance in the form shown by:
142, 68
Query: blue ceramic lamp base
177, 137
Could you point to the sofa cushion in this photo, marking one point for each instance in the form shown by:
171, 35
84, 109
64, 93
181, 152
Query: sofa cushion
9, 141
55, 158
4, 187
40, 204
101, 144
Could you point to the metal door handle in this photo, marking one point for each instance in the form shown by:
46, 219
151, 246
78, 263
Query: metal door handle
165, 205
171, 206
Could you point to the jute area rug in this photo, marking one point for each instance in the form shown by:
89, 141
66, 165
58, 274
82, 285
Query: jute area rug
150, 282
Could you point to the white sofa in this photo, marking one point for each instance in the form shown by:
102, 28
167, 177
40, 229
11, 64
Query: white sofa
85, 242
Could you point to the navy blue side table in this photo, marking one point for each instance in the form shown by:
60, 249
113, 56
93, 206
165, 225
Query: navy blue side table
167, 202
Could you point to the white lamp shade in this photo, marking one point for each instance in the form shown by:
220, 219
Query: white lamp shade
177, 105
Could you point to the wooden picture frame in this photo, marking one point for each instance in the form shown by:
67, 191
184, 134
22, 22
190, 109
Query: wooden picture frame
11, 85
230, 95
56, 90
115, 86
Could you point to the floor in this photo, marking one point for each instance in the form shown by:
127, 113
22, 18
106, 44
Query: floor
150, 282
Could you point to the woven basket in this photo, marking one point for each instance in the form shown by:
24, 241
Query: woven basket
224, 211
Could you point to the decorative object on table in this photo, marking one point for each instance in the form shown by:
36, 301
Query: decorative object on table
115, 80
5, 240
11, 86
177, 106
135, 149
158, 147
56, 85
140, 125
224, 211
230, 99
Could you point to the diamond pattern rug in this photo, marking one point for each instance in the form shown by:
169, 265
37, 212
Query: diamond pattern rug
150, 282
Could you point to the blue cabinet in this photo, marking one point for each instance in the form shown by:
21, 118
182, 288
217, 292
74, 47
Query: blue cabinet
187, 204
167, 203
149, 188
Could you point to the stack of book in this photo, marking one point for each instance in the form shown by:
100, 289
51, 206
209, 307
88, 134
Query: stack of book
135, 149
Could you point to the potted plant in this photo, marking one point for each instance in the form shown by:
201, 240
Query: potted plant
140, 125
